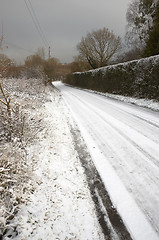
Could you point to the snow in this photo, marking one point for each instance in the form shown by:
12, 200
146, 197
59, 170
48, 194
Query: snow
147, 60
59, 205
135, 221
142, 102
123, 142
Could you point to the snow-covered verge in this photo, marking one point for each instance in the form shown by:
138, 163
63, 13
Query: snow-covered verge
138, 78
142, 102
55, 199
17, 130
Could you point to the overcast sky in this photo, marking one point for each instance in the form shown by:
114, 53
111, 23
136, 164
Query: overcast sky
63, 23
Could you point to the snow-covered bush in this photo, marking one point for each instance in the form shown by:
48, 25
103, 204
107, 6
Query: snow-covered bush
33, 73
138, 78
14, 172
18, 128
11, 119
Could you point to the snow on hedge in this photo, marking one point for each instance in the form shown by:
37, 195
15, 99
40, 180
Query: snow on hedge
137, 78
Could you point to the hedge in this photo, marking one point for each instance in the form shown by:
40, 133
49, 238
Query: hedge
138, 78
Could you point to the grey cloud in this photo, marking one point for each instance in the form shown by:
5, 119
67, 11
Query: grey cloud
63, 23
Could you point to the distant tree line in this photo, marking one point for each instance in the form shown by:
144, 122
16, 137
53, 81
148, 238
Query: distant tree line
35, 66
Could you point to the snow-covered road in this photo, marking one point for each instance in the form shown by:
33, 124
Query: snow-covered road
123, 140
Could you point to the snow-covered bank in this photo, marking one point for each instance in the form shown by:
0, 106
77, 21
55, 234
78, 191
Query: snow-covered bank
60, 205
151, 104
142, 102
18, 127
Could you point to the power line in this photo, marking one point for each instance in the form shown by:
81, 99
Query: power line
19, 47
36, 22
2, 40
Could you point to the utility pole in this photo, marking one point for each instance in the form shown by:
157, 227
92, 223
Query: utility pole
1, 38
49, 53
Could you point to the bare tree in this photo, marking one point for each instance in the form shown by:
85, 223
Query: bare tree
41, 52
79, 65
98, 47
5, 65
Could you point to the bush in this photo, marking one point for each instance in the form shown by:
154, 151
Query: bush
11, 119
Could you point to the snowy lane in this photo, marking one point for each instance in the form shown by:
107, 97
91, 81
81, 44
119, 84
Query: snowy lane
127, 137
